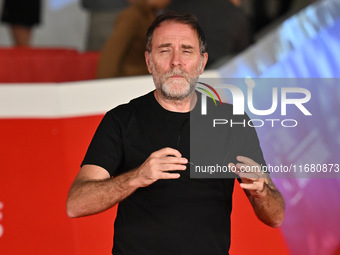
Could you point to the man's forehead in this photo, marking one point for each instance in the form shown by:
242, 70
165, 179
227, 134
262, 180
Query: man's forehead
168, 30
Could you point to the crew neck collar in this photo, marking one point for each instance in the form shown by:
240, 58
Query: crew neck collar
171, 114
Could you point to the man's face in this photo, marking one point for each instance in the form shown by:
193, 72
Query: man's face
175, 58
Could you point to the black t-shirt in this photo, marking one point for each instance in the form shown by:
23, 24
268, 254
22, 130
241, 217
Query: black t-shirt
181, 216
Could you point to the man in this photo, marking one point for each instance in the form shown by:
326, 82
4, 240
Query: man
144, 146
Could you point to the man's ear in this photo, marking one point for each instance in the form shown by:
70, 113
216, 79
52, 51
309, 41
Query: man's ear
147, 60
205, 60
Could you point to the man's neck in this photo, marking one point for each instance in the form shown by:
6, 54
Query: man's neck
184, 105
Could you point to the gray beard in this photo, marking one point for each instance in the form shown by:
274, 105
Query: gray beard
166, 93
166, 90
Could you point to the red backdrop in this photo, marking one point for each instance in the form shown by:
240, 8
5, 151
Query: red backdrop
46, 65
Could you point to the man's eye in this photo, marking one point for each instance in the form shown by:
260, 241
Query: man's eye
187, 51
164, 51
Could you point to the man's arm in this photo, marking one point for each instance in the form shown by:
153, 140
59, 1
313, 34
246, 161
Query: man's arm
266, 200
93, 190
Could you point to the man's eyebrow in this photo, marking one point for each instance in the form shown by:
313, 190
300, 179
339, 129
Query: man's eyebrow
164, 45
186, 46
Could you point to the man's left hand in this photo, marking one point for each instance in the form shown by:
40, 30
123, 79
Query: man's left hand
251, 175
266, 200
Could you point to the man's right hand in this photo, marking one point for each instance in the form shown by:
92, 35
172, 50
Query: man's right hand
159, 166
93, 190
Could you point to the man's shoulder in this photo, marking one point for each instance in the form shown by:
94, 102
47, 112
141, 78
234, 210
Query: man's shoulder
135, 104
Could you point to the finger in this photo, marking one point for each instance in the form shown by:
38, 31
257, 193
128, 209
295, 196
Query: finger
239, 167
173, 160
249, 171
166, 175
244, 171
245, 160
248, 176
250, 186
172, 167
249, 168
166, 152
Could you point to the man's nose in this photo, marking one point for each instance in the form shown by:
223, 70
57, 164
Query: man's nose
176, 59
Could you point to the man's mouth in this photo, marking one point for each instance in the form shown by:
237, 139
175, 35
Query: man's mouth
176, 74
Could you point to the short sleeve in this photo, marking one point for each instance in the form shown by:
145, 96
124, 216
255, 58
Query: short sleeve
105, 149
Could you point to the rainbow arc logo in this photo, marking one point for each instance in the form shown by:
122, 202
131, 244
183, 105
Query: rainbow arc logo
208, 92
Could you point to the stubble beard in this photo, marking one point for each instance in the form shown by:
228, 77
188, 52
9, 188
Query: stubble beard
175, 89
